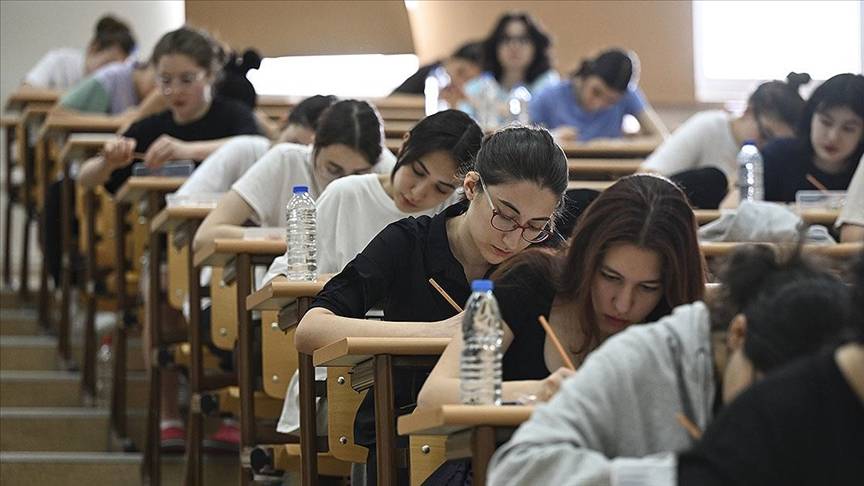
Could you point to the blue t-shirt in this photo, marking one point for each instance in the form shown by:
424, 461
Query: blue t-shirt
556, 106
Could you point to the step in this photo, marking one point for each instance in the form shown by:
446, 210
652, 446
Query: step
59, 389
78, 429
40, 353
10, 299
103, 469
19, 322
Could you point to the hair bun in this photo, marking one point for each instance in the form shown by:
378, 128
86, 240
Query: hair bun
796, 80
251, 60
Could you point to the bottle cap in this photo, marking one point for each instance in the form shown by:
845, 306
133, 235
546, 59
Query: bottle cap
482, 286
749, 142
300, 189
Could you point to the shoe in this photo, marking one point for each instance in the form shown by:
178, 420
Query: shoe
226, 439
172, 440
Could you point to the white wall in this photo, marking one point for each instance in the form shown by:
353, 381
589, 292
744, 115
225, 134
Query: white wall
28, 29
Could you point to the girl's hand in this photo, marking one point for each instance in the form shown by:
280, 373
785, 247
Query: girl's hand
452, 94
165, 148
118, 152
550, 385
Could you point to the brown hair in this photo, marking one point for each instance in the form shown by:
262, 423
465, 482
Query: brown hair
644, 210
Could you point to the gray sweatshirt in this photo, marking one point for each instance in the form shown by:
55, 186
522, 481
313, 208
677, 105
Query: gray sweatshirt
622, 403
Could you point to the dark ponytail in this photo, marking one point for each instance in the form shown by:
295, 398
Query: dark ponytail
780, 100
355, 124
451, 131
618, 69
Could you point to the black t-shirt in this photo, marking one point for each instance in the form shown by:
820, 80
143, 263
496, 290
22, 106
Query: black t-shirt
787, 163
523, 294
416, 84
225, 118
393, 272
803, 425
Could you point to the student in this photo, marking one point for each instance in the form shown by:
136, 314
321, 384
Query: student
829, 144
709, 141
593, 102
433, 160
62, 68
196, 123
218, 172
515, 55
634, 255
348, 141
801, 425
626, 398
436, 155
114, 89
462, 66
851, 220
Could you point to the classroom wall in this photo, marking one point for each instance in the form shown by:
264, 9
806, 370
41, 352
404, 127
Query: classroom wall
28, 29
661, 32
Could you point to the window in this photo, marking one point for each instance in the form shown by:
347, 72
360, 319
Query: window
738, 44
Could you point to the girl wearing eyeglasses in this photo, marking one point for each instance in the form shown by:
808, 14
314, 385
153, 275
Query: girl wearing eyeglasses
516, 54
195, 124
524, 176
634, 255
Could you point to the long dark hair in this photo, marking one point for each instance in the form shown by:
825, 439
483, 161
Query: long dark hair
840, 90
193, 43
353, 123
780, 99
539, 65
308, 112
451, 131
793, 305
644, 210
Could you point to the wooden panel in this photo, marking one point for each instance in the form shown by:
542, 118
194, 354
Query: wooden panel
278, 355
427, 453
447, 419
303, 28
343, 403
353, 350
178, 273
223, 313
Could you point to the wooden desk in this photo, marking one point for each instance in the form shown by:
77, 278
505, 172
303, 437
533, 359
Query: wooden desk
619, 148
397, 128
613, 168
25, 95
472, 430
148, 194
373, 361
593, 185
839, 251
9, 123
825, 217
244, 255
392, 108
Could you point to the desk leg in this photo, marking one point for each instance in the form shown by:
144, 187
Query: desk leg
118, 389
195, 422
482, 448
245, 376
26, 157
7, 225
152, 469
385, 420
46, 317
308, 425
67, 252
88, 291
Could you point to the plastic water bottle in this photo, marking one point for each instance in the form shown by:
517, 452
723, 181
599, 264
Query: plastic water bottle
517, 104
480, 367
750, 183
302, 248
104, 367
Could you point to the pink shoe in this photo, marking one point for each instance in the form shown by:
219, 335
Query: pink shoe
172, 440
225, 439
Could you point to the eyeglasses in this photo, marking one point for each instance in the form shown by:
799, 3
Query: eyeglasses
522, 40
184, 80
507, 224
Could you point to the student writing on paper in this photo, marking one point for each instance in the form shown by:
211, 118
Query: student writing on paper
518, 181
625, 400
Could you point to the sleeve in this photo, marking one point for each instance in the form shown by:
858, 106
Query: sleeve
261, 184
634, 102
226, 165
144, 132
42, 74
853, 211
87, 96
539, 110
244, 121
366, 280
681, 151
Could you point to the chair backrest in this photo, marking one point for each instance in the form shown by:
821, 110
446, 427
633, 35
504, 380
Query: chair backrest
342, 405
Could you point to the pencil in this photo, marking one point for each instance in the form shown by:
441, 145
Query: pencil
689, 426
445, 295
556, 342
816, 183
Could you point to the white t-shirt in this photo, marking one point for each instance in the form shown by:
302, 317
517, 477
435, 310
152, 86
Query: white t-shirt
268, 185
704, 140
853, 211
58, 69
226, 165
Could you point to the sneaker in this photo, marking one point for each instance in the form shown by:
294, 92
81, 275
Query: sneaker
172, 440
225, 439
